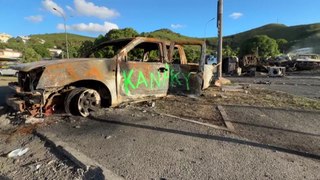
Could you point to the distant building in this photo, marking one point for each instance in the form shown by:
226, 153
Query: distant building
10, 54
27, 38
55, 52
4, 37
24, 38
42, 41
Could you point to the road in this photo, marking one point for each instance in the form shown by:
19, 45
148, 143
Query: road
306, 86
137, 145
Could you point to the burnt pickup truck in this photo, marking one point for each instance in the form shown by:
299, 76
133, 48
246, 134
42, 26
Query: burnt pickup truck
130, 69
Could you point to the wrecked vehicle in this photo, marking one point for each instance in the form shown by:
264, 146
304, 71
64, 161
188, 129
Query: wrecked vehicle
130, 69
307, 61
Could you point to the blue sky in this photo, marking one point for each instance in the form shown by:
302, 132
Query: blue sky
188, 17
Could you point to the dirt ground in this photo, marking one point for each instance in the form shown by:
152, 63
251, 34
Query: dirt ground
40, 162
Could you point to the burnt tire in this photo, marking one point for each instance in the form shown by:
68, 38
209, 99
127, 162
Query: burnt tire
82, 101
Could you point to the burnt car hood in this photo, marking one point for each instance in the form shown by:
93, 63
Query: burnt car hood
26, 67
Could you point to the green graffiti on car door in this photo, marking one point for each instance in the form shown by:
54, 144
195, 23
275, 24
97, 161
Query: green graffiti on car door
155, 80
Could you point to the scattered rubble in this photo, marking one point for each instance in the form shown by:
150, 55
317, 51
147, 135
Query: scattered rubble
34, 120
18, 152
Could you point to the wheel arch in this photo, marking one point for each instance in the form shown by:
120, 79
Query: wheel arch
100, 87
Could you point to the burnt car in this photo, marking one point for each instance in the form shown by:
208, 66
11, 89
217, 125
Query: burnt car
126, 70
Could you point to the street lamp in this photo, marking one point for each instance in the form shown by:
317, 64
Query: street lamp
65, 29
205, 29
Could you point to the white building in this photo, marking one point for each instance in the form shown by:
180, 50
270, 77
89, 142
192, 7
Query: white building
4, 37
55, 52
24, 38
10, 54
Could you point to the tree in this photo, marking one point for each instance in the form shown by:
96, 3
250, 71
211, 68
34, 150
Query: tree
73, 51
16, 44
41, 50
193, 53
261, 45
121, 33
228, 52
30, 55
85, 48
2, 45
283, 45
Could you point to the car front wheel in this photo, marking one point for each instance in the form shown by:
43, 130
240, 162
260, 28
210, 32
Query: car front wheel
82, 101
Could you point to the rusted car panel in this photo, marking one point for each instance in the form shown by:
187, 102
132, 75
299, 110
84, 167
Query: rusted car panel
143, 79
142, 67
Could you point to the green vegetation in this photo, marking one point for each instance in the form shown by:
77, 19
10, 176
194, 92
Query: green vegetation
30, 55
297, 36
59, 39
268, 40
261, 45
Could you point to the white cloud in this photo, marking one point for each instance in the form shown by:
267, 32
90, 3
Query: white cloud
49, 5
70, 8
89, 9
177, 26
34, 19
236, 15
91, 27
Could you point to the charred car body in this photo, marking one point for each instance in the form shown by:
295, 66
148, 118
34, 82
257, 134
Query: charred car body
131, 69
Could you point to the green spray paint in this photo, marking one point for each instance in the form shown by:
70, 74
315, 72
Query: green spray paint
155, 80
127, 81
141, 80
187, 79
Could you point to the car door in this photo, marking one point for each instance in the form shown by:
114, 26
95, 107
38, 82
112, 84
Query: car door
143, 71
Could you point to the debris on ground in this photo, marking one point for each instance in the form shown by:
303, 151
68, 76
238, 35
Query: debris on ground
222, 81
34, 161
263, 82
18, 152
34, 120
236, 88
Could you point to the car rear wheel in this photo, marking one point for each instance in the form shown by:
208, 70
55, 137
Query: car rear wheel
82, 101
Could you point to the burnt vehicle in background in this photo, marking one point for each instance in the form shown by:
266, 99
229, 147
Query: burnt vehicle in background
307, 61
129, 69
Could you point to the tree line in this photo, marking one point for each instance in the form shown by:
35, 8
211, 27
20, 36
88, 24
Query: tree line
35, 50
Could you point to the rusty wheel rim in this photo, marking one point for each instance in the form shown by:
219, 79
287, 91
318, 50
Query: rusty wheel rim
89, 100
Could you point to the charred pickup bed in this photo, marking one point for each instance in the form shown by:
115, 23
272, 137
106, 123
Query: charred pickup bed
130, 69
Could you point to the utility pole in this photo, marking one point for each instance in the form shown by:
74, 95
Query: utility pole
65, 30
220, 28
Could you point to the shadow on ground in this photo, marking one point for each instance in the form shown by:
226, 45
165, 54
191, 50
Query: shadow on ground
293, 129
213, 137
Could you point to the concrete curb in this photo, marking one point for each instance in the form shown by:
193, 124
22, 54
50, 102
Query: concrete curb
225, 118
93, 168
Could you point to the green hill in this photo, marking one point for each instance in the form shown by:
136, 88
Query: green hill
167, 34
297, 36
58, 39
